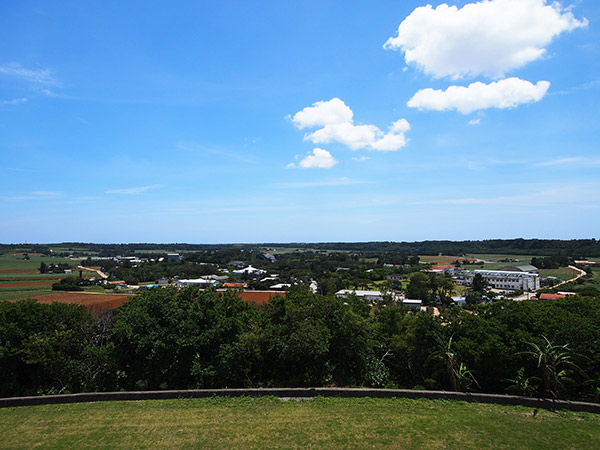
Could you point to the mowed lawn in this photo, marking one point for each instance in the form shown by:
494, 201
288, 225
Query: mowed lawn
328, 423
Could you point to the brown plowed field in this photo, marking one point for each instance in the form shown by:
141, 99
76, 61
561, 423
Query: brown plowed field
19, 271
96, 303
36, 284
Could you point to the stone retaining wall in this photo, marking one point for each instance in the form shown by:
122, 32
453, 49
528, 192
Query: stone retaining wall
303, 393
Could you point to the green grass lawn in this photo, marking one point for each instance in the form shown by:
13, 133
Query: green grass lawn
328, 423
562, 273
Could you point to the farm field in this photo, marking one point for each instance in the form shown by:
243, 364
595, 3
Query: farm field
21, 279
328, 423
95, 302
16, 263
23, 292
562, 273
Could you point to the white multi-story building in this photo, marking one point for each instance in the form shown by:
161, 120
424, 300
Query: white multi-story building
503, 279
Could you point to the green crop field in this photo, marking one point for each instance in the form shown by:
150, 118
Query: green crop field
328, 423
15, 262
562, 273
24, 292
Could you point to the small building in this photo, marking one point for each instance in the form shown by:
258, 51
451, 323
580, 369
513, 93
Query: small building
369, 296
393, 277
217, 277
174, 257
199, 282
459, 300
412, 303
280, 286
250, 271
521, 268
236, 263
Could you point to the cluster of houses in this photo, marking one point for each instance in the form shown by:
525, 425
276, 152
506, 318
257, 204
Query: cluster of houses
510, 278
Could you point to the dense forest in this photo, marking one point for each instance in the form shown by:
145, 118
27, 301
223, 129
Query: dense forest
169, 339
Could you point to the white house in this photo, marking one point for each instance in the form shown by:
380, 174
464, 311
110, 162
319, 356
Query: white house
250, 271
200, 282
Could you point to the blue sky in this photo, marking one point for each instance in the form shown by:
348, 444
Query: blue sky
232, 121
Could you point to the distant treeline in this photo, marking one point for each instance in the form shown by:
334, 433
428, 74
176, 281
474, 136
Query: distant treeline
547, 247
169, 339
576, 248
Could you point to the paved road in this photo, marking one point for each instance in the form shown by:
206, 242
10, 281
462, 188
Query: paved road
89, 269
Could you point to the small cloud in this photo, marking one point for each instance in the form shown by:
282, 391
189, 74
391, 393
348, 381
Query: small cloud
507, 93
361, 158
40, 80
319, 159
335, 122
14, 101
474, 121
132, 191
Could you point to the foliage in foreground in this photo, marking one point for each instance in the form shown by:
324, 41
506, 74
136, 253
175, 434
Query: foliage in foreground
165, 339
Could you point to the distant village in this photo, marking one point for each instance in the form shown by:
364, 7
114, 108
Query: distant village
516, 280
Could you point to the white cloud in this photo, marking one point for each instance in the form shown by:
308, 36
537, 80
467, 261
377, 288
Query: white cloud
323, 113
131, 191
39, 80
490, 37
502, 94
361, 158
475, 121
14, 101
353, 136
320, 159
335, 120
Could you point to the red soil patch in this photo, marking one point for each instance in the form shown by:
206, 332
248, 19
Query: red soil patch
27, 253
35, 284
259, 297
95, 303
19, 271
